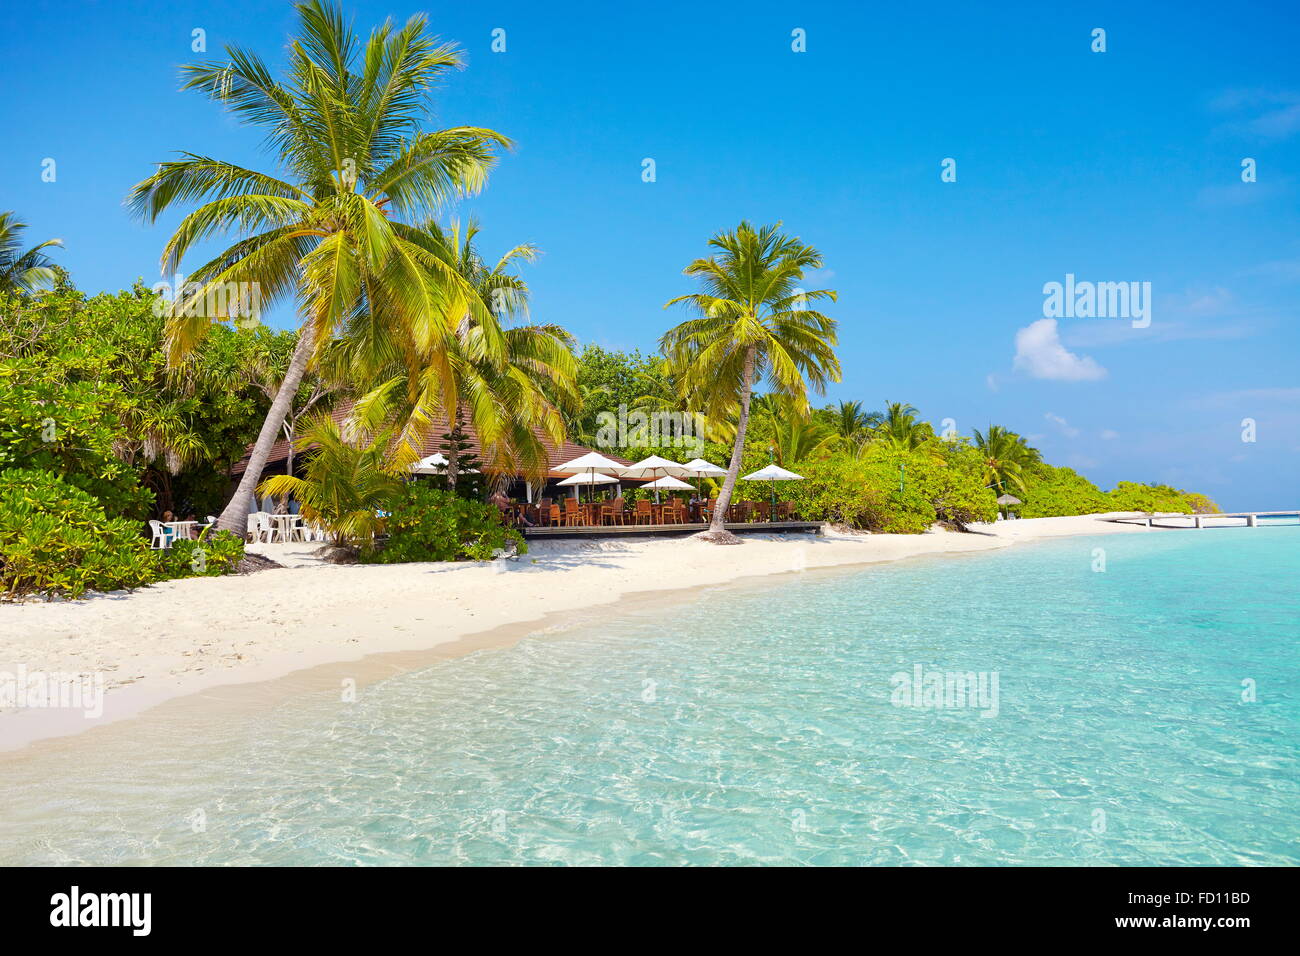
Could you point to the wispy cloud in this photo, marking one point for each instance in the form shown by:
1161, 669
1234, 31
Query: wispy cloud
1262, 113
1039, 353
1068, 430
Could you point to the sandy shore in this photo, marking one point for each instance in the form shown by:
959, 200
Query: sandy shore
183, 637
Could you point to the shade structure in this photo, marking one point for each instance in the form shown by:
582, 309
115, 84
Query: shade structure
699, 468
435, 464
595, 478
773, 473
591, 462
1009, 500
587, 467
669, 483
654, 467
430, 465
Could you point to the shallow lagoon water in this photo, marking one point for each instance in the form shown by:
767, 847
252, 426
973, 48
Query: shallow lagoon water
760, 724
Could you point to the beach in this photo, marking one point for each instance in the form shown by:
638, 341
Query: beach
186, 637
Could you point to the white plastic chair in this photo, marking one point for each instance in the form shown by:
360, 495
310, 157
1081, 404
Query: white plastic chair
160, 536
261, 528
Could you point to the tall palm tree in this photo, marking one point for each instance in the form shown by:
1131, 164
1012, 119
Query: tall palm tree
23, 271
899, 428
345, 125
754, 325
509, 381
851, 421
795, 439
1006, 457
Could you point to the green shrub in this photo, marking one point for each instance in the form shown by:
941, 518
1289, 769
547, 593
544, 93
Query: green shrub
426, 524
55, 538
1054, 492
211, 557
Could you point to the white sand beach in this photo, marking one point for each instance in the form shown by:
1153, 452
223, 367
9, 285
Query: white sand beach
189, 636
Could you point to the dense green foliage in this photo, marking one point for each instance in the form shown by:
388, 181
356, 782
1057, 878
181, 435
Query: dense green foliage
213, 556
346, 483
87, 405
429, 524
56, 538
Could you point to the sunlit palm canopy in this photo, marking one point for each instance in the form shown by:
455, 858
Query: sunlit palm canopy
514, 383
353, 162
1006, 457
752, 300
23, 270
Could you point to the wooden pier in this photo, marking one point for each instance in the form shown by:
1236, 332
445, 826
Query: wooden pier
1238, 519
644, 530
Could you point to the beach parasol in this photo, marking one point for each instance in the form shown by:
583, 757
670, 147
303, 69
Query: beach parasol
589, 465
1005, 500
655, 467
773, 473
699, 468
595, 478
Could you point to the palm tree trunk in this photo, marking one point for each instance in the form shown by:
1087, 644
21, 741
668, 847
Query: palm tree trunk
738, 450
233, 518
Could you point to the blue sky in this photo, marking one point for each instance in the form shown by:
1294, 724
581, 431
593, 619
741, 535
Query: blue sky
1115, 166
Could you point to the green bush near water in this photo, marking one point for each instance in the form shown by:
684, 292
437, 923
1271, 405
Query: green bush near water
426, 524
210, 557
56, 538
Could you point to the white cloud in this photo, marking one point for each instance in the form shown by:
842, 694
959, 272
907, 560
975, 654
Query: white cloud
1040, 353
991, 381
1068, 430
1108, 434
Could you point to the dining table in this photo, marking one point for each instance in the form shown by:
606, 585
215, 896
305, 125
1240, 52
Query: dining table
285, 525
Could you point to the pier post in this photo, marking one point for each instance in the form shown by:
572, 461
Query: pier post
1250, 521
1148, 522
1198, 520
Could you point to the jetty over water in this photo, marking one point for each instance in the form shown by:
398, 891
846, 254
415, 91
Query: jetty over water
1238, 519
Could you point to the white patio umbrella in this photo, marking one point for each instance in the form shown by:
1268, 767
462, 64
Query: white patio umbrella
773, 473
669, 483
699, 468
430, 465
590, 464
654, 467
436, 464
591, 479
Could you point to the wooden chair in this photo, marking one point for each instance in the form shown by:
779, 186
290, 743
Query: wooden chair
644, 512
573, 516
554, 518
619, 510
784, 511
764, 511
674, 513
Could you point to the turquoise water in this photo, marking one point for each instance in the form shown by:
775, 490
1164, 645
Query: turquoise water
755, 724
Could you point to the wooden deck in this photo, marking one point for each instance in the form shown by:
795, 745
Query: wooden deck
641, 530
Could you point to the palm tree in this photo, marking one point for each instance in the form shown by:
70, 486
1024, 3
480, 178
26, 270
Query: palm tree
346, 128
899, 429
851, 422
23, 271
796, 439
508, 382
754, 325
1006, 457
346, 484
